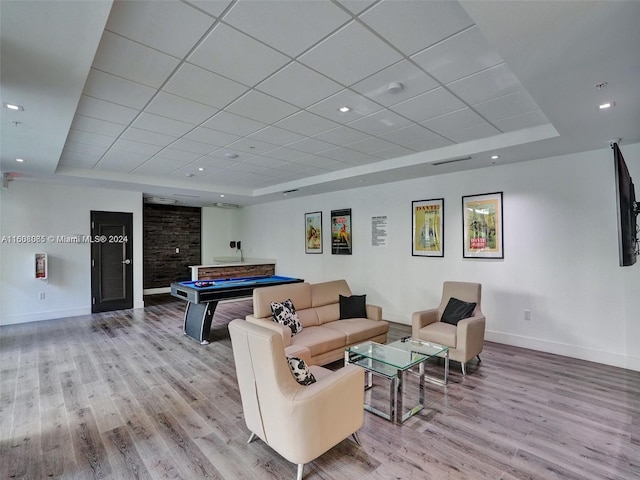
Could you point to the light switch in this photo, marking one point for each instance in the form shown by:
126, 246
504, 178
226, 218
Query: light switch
177, 250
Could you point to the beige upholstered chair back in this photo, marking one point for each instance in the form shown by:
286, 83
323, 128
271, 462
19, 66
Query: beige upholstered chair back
465, 291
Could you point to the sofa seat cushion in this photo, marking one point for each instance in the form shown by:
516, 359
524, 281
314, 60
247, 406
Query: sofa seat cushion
358, 330
319, 340
440, 332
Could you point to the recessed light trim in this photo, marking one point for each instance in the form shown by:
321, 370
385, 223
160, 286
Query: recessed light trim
344, 109
604, 106
13, 106
230, 155
201, 169
20, 160
495, 157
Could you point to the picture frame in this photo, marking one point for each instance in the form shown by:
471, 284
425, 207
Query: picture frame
427, 228
341, 229
313, 232
482, 226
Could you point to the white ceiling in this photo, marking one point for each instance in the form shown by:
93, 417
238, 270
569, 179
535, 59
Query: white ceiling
156, 96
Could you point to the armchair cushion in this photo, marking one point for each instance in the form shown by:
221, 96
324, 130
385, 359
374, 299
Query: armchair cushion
285, 314
300, 371
457, 310
354, 306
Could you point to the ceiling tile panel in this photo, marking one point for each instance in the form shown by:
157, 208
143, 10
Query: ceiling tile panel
179, 108
251, 146
306, 123
211, 137
117, 90
486, 85
193, 146
463, 54
171, 27
146, 136
345, 154
276, 136
178, 155
261, 107
111, 112
164, 125
158, 167
213, 163
394, 152
473, 133
129, 59
286, 85
287, 154
136, 147
371, 145
120, 161
203, 86
215, 8
264, 161
450, 122
341, 135
78, 160
90, 138
423, 23
311, 145
381, 122
507, 106
360, 106
357, 6
234, 124
234, 55
277, 23
83, 148
93, 125
414, 82
361, 54
411, 134
429, 105
429, 144
518, 122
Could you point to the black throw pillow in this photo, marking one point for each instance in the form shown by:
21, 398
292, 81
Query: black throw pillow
456, 310
354, 306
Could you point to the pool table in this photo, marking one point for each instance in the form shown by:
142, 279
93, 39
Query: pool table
202, 298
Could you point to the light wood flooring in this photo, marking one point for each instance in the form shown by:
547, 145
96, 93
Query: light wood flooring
124, 395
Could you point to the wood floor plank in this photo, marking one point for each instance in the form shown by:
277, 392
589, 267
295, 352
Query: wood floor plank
127, 395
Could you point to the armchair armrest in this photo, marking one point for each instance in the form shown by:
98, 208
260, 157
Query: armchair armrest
374, 312
285, 332
471, 335
423, 318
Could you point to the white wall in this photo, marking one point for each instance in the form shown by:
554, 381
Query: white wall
219, 227
561, 253
30, 208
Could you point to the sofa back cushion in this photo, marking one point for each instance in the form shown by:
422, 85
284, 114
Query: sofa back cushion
327, 293
299, 293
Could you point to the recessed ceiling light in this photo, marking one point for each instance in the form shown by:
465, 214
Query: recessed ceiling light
230, 155
12, 106
495, 157
604, 106
201, 169
20, 160
344, 109
222, 195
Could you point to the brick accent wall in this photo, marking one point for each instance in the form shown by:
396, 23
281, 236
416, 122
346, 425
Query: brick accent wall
165, 228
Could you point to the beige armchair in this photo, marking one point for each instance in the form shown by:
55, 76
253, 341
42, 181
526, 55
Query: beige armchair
466, 339
299, 422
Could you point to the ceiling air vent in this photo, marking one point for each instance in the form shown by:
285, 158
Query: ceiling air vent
160, 200
225, 205
451, 160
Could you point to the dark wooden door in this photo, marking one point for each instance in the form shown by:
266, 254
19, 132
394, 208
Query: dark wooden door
111, 261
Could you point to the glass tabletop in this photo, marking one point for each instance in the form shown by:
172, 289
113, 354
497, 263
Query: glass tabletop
428, 349
378, 355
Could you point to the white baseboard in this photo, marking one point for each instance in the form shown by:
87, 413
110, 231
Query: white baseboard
41, 316
156, 291
575, 351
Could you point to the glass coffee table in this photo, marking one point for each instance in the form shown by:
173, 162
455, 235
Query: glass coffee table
393, 361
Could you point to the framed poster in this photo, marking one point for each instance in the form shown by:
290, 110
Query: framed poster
341, 232
313, 232
428, 228
482, 226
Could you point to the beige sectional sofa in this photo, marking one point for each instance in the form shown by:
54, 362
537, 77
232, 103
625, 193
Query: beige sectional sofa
324, 336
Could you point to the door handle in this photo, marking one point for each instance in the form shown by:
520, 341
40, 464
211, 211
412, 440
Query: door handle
126, 262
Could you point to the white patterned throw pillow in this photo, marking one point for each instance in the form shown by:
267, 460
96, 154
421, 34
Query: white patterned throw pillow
300, 371
285, 314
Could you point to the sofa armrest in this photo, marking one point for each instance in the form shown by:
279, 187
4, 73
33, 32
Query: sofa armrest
285, 332
421, 319
374, 312
470, 335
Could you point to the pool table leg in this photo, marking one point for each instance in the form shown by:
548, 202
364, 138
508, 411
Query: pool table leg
197, 320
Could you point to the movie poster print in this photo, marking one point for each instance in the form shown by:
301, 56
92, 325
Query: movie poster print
428, 227
313, 232
341, 240
482, 226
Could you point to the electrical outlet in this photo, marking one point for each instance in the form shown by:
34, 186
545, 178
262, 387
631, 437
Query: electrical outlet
527, 315
177, 250
42, 295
